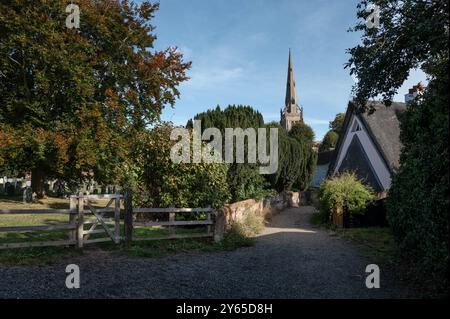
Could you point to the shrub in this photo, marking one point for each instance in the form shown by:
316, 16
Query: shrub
251, 225
158, 182
418, 201
341, 191
245, 182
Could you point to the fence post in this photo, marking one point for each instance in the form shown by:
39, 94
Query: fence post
208, 217
219, 225
80, 228
73, 217
117, 219
171, 219
128, 218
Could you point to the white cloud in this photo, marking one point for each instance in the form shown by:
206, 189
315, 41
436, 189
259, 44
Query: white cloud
315, 121
210, 77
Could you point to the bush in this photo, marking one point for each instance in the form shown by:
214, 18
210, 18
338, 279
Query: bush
158, 182
251, 225
341, 191
245, 182
418, 201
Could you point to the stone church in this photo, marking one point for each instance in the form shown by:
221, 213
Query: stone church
292, 112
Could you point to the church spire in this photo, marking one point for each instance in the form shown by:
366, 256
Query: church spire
291, 91
292, 112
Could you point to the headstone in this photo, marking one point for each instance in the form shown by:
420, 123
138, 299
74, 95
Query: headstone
27, 195
9, 189
59, 187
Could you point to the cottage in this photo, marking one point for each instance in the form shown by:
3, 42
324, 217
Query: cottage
369, 145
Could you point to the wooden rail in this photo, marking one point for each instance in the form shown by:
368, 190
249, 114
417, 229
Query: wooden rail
173, 210
36, 211
70, 226
77, 235
82, 213
130, 224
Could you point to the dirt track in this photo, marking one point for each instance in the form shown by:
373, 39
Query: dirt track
291, 259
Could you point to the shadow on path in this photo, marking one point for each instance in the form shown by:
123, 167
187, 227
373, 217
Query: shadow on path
290, 259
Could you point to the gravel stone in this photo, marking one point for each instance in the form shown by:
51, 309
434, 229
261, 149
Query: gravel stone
291, 259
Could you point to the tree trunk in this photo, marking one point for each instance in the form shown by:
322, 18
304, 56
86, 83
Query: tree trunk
37, 182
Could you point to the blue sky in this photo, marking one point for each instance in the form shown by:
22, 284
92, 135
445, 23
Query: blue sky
239, 52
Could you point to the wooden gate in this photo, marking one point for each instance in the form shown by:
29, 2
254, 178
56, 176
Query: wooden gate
98, 223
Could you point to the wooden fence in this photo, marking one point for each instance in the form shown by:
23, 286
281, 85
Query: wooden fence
70, 226
85, 219
214, 221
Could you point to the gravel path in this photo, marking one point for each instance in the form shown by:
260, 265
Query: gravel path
291, 259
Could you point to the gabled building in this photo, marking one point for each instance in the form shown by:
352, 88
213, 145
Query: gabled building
292, 112
369, 145
320, 173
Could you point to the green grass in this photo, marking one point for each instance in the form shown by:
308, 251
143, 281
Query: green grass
36, 255
376, 242
161, 248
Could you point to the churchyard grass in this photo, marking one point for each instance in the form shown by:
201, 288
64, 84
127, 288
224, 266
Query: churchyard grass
46, 255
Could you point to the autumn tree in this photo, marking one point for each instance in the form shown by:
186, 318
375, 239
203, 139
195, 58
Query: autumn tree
73, 100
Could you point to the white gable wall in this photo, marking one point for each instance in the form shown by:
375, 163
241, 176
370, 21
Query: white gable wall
380, 168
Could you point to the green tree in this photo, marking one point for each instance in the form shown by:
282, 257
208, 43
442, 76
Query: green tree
296, 162
232, 116
413, 34
337, 123
243, 179
73, 99
331, 137
329, 141
302, 132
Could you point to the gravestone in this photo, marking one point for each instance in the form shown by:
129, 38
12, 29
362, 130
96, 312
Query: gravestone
27, 195
9, 189
59, 187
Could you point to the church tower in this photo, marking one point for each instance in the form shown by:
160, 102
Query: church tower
292, 113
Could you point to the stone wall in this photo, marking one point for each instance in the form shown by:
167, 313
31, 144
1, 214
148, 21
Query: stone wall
266, 207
